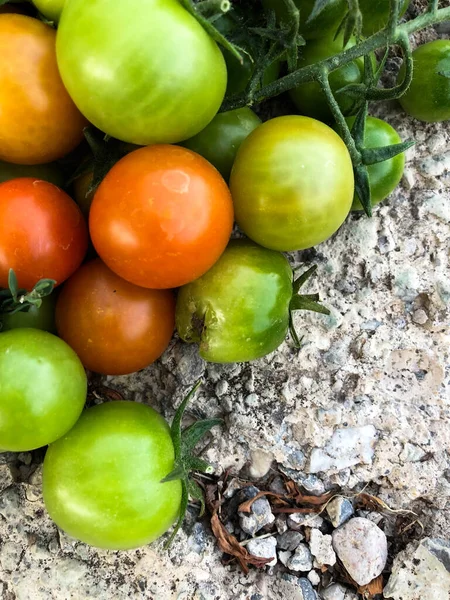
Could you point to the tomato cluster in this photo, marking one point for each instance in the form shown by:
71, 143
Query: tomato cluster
160, 220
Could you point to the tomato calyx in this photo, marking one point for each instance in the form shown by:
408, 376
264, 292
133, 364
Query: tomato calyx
15, 299
186, 462
303, 302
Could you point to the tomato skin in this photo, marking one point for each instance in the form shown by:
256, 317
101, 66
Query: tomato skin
243, 302
432, 105
115, 327
139, 79
50, 172
35, 318
39, 121
42, 232
102, 480
51, 9
375, 14
221, 139
42, 386
161, 217
309, 97
284, 197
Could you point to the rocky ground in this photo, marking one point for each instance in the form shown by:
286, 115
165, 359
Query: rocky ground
365, 401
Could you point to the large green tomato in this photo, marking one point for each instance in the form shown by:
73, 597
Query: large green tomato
142, 71
375, 14
222, 138
326, 22
238, 310
292, 183
428, 96
309, 97
42, 317
43, 389
51, 9
102, 480
50, 172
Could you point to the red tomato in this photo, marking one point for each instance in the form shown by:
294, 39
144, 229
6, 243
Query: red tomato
114, 326
42, 232
161, 217
38, 120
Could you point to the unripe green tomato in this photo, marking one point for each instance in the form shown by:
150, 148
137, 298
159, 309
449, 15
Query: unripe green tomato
43, 389
375, 14
428, 96
309, 97
102, 480
221, 139
42, 317
239, 310
51, 9
50, 172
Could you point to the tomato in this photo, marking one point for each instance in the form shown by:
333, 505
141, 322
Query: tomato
39, 121
42, 317
50, 172
115, 327
428, 96
308, 97
161, 217
102, 480
292, 183
238, 310
42, 232
221, 139
239, 74
326, 22
51, 9
83, 196
375, 14
385, 176
142, 71
42, 389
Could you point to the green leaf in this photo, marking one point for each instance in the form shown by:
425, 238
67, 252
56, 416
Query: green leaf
318, 7
359, 126
293, 332
195, 492
362, 188
177, 473
198, 464
44, 287
372, 156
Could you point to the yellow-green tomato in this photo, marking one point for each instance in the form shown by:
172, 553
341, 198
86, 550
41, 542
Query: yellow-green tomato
43, 389
239, 310
222, 138
51, 9
292, 183
102, 480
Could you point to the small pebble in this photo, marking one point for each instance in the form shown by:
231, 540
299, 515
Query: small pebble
260, 513
284, 556
281, 523
322, 548
301, 560
264, 548
297, 520
336, 591
420, 316
314, 577
289, 540
339, 510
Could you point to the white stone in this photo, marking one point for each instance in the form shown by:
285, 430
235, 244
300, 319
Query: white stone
347, 447
336, 591
314, 578
260, 463
298, 520
284, 556
322, 548
264, 548
301, 560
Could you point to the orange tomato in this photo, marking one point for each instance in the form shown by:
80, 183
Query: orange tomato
38, 120
115, 327
42, 232
161, 217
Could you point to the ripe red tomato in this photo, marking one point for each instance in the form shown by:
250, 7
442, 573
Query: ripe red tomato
114, 326
161, 217
38, 120
42, 232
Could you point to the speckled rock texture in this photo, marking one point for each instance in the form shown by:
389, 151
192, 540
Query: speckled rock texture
372, 378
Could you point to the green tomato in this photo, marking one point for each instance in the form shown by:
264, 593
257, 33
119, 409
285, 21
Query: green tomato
43, 389
309, 97
428, 96
221, 139
50, 172
42, 317
385, 176
238, 310
142, 71
102, 480
51, 9
375, 14
239, 74
326, 22
292, 183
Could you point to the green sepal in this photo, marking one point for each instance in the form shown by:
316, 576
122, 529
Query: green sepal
362, 188
194, 433
359, 126
318, 7
15, 299
372, 156
308, 303
300, 281
183, 508
351, 24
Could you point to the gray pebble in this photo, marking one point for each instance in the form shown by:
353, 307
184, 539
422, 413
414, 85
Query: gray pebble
264, 548
289, 540
339, 510
301, 560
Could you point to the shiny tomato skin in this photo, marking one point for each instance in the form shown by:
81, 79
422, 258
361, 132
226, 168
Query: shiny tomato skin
142, 71
51, 9
43, 234
43, 389
221, 139
428, 97
39, 121
42, 317
375, 14
114, 326
50, 172
292, 183
102, 480
161, 217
